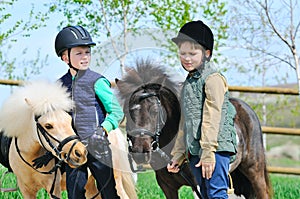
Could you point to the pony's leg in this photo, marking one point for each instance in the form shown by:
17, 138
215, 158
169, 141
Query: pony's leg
260, 184
90, 187
27, 192
166, 183
63, 183
254, 177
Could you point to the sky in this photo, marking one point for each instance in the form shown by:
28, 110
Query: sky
44, 38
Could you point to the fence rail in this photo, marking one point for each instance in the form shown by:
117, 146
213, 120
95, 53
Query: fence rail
10, 82
268, 90
280, 130
284, 170
265, 129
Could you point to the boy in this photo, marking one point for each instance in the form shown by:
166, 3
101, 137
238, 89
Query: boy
208, 134
95, 114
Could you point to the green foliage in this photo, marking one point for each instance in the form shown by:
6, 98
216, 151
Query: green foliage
275, 110
114, 20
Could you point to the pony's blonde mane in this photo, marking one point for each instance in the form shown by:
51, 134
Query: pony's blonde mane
30, 100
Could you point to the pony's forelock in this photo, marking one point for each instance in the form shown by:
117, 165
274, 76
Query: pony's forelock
30, 100
48, 97
145, 72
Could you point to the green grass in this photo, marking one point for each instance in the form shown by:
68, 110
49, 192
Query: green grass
284, 187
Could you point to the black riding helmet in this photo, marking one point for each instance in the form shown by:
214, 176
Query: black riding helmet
196, 31
72, 36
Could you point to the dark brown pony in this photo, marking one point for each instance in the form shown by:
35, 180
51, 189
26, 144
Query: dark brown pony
152, 110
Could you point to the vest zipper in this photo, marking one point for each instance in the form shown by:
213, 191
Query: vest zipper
74, 108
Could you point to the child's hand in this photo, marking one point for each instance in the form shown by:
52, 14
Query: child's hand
207, 168
173, 167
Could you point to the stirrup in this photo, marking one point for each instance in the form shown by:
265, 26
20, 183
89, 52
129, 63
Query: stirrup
230, 189
6, 189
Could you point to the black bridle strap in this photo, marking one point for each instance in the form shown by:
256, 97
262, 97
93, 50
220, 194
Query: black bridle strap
66, 140
69, 153
46, 135
140, 132
20, 155
53, 186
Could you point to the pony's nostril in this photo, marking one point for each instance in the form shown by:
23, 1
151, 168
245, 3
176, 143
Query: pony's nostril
77, 153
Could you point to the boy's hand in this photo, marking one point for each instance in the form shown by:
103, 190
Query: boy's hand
207, 168
173, 167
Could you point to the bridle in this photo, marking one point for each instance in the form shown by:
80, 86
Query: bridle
160, 122
42, 132
155, 136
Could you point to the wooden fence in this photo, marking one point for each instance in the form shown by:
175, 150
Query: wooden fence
265, 129
274, 130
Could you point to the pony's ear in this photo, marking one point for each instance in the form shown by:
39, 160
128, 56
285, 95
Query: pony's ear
28, 102
117, 81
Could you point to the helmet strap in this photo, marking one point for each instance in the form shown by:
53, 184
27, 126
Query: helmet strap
70, 64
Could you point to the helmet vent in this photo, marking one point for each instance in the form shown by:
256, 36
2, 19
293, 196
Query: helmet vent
74, 34
82, 32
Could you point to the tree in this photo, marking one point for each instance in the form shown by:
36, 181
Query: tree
117, 21
9, 37
265, 34
263, 38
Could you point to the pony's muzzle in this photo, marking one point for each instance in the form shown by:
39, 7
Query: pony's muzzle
141, 158
75, 155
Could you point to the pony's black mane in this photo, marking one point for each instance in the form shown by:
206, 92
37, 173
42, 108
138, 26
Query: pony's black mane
145, 73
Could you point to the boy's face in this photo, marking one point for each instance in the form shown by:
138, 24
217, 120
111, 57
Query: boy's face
80, 57
190, 57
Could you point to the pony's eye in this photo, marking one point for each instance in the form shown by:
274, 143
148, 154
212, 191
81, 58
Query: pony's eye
48, 126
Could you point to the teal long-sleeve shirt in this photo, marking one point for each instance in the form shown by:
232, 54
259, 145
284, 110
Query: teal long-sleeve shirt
110, 103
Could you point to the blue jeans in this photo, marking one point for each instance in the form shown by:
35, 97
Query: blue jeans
77, 178
217, 185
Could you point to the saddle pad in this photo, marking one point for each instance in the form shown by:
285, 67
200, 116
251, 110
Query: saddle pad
4, 150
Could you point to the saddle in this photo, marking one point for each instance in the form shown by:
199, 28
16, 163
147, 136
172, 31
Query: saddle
4, 150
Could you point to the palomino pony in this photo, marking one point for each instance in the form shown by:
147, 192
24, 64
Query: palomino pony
152, 110
36, 117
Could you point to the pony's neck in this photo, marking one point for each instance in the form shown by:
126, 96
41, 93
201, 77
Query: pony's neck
28, 143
